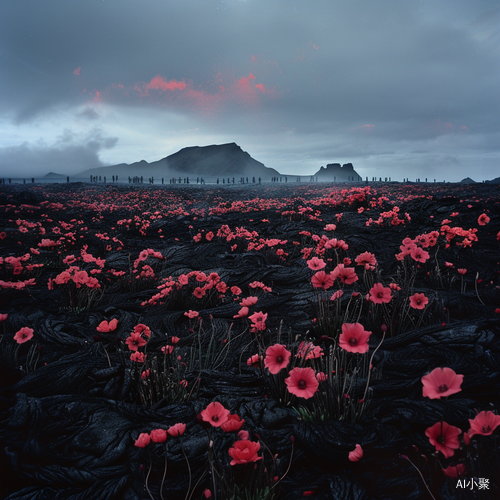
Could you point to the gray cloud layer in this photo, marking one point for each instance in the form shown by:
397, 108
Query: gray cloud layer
351, 79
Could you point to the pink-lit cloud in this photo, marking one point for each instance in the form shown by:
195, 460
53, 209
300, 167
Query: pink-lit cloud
77, 71
244, 81
209, 97
160, 83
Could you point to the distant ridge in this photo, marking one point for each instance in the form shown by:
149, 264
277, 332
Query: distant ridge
53, 175
494, 181
209, 162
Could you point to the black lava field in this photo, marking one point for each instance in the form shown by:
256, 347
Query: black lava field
315, 341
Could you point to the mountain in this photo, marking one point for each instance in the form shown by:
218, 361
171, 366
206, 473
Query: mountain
53, 175
209, 162
336, 173
467, 180
493, 181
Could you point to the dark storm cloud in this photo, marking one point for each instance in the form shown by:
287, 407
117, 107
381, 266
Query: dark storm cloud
370, 75
69, 155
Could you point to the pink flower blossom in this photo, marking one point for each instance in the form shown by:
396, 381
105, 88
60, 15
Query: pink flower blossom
177, 429
418, 301
483, 220
23, 335
380, 294
484, 423
134, 341
354, 338
143, 440
366, 259
419, 254
322, 280
441, 382
142, 330
234, 423
215, 414
444, 437
316, 264
346, 275
277, 358
356, 454
158, 435
104, 326
302, 382
244, 452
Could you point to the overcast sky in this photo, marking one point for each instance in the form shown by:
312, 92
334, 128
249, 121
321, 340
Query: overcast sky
399, 88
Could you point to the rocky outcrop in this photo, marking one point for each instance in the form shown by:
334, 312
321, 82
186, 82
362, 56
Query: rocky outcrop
336, 173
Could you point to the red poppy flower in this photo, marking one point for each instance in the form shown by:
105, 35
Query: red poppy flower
366, 259
249, 301
380, 294
104, 326
461, 271
302, 382
277, 358
441, 382
258, 320
142, 329
316, 264
455, 471
3, 317
137, 356
322, 280
484, 423
419, 254
483, 220
244, 452
23, 335
191, 314
309, 350
354, 338
346, 275
418, 301
135, 341
234, 423
176, 430
143, 440
158, 435
444, 437
242, 313
215, 414
254, 360
243, 435
356, 454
